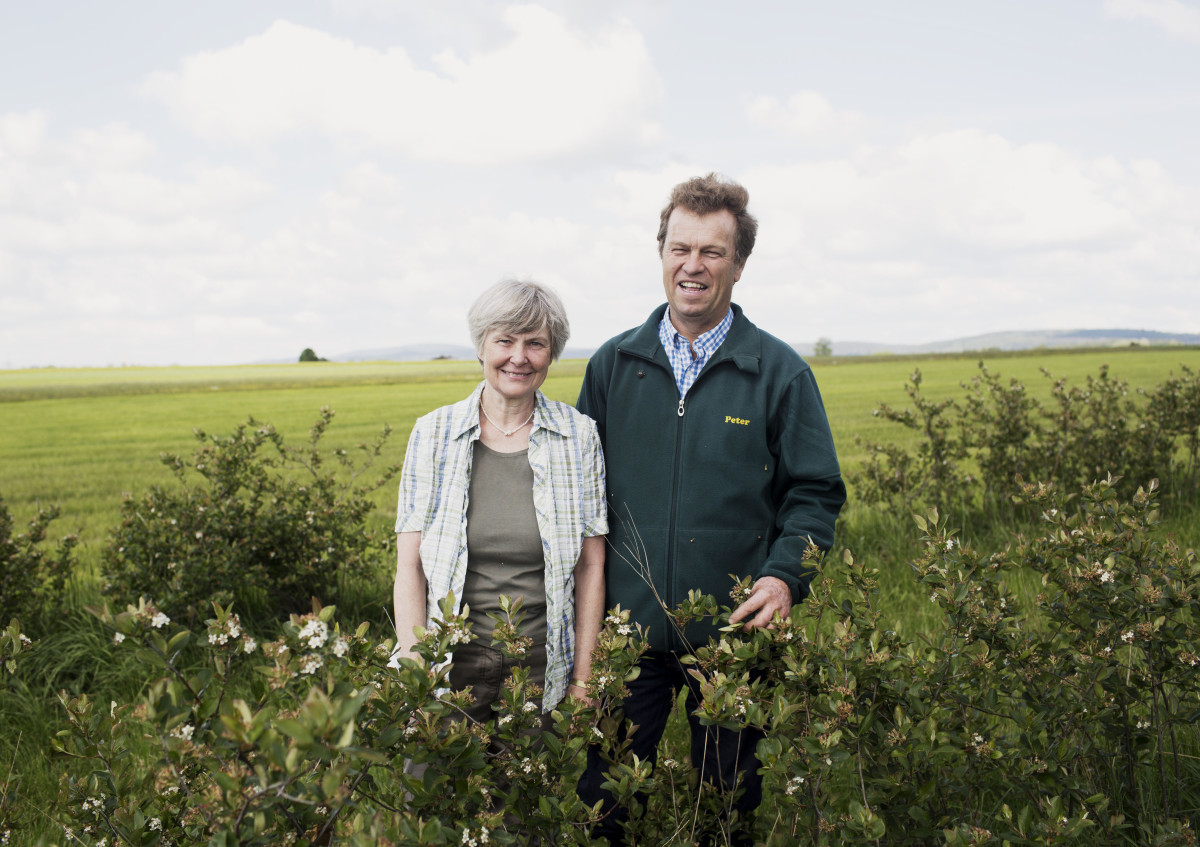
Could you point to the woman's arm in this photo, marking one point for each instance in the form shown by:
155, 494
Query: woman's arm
589, 608
409, 592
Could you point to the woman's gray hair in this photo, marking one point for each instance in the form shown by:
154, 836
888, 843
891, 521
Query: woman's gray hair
519, 306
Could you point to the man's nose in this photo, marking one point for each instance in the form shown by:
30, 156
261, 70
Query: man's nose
693, 265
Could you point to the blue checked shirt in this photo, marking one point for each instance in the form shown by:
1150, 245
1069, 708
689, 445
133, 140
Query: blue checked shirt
568, 499
680, 355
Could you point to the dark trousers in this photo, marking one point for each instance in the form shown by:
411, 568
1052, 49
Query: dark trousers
485, 669
725, 757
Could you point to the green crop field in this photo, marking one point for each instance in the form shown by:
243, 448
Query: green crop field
81, 438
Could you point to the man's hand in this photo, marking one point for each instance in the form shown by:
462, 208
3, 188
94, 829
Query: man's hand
770, 596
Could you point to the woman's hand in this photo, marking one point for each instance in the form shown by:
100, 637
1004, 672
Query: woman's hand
577, 690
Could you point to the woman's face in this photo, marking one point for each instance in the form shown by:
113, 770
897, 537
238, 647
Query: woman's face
515, 363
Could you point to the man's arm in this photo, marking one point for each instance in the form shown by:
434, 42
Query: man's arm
809, 491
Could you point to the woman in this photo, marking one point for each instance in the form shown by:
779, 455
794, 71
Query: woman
503, 493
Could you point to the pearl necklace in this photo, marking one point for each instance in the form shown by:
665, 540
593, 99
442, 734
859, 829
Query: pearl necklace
510, 432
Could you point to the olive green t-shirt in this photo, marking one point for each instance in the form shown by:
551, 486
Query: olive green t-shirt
504, 545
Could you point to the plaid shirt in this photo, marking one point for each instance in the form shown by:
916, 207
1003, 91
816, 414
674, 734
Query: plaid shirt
680, 354
568, 499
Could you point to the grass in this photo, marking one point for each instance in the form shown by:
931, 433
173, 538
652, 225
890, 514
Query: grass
83, 438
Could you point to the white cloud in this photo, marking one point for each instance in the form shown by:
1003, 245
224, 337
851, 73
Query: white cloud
951, 233
112, 146
1177, 19
547, 91
349, 223
806, 114
21, 134
84, 194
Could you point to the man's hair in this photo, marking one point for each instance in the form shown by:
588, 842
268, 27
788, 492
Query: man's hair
519, 306
704, 195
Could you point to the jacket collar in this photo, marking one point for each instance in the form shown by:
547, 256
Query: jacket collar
464, 415
742, 346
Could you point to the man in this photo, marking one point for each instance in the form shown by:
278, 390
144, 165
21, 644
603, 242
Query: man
720, 461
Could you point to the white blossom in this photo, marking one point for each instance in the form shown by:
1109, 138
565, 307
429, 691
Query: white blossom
159, 620
315, 632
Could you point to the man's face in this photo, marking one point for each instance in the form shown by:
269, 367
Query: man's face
699, 269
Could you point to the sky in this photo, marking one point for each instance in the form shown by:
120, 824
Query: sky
230, 182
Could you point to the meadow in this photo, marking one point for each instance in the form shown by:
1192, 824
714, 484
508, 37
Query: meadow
82, 439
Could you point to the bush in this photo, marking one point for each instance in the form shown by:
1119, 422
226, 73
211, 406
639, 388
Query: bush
31, 581
971, 454
267, 525
321, 743
1071, 722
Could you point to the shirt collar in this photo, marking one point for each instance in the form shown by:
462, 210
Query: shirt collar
705, 344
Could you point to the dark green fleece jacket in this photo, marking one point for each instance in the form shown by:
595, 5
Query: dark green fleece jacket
735, 480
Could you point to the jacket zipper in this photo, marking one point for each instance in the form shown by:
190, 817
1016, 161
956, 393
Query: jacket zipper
676, 637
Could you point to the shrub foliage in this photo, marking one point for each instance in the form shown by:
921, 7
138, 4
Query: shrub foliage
31, 579
267, 524
971, 451
1069, 722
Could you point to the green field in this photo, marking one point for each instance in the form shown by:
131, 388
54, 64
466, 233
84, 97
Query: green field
81, 438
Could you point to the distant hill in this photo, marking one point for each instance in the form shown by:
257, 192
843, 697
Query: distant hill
1015, 340
425, 352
